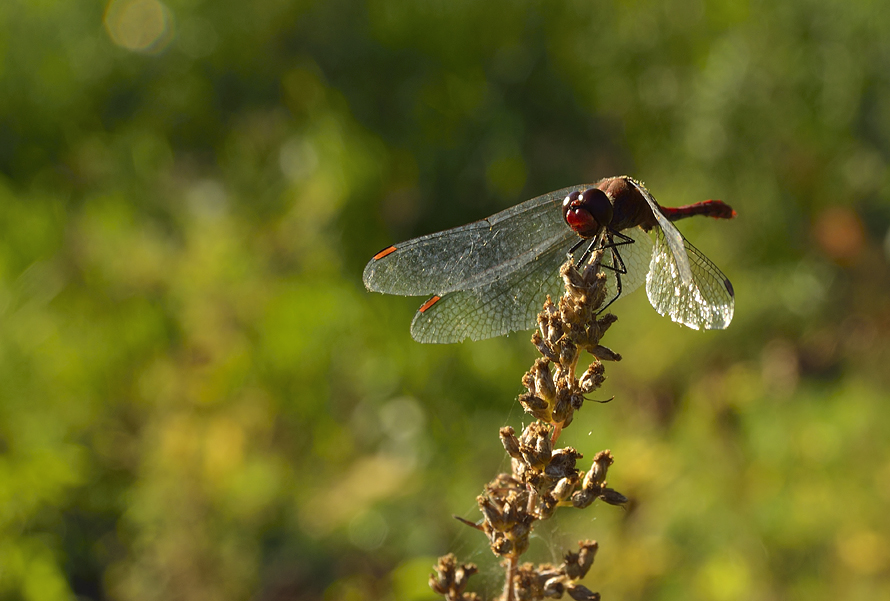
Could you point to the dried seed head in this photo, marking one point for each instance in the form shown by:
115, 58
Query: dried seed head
542, 478
450, 578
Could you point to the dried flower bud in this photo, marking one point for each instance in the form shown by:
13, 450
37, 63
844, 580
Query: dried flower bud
528, 380
563, 405
589, 482
568, 420
500, 545
605, 322
554, 587
450, 579
613, 497
542, 478
519, 467
510, 442
519, 531
541, 345
568, 353
576, 400
579, 592
563, 489
601, 463
462, 575
492, 514
592, 378
444, 576
562, 463
543, 379
535, 405
549, 308
576, 565
597, 473
543, 327
583, 498
604, 353
571, 276
535, 445
513, 512
555, 328
547, 508
586, 555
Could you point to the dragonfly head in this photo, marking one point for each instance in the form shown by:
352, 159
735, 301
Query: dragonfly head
586, 211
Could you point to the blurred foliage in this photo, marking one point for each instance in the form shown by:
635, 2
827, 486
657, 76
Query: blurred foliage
200, 401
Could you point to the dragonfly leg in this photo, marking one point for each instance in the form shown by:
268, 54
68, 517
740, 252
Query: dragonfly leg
587, 251
618, 265
610, 240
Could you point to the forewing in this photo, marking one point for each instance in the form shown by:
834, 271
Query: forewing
704, 302
469, 256
506, 304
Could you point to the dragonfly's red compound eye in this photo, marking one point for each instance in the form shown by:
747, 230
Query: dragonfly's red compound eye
586, 211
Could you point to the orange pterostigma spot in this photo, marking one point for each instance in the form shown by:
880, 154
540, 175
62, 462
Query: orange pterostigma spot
429, 303
384, 252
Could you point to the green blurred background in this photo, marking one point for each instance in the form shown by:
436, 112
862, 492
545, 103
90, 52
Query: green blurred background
199, 400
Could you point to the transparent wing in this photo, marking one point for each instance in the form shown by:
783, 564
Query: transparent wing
512, 302
673, 238
636, 258
469, 256
706, 301
508, 303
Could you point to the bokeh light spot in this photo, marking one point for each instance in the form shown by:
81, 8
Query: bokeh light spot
139, 25
866, 552
840, 234
368, 530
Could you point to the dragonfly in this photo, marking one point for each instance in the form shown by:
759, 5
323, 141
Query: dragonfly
490, 277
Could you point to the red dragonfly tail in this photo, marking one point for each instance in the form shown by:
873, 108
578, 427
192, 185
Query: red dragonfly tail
709, 208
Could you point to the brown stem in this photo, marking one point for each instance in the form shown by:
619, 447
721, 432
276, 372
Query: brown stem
557, 430
511, 573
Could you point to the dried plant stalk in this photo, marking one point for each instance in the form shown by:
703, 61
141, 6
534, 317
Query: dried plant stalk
542, 477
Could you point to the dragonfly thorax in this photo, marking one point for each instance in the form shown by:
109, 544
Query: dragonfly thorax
587, 211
